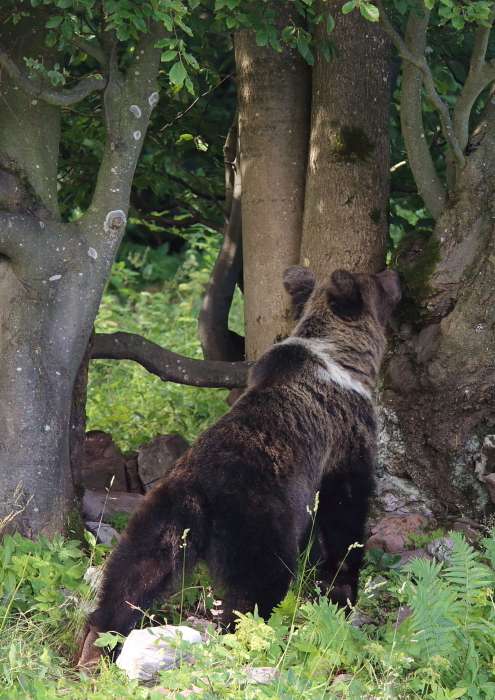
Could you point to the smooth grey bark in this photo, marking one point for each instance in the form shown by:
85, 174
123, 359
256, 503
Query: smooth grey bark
52, 274
411, 119
273, 100
347, 180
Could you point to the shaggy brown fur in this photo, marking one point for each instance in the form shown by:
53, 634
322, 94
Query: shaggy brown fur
245, 488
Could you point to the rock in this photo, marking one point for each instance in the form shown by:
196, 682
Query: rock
391, 532
204, 627
262, 674
147, 651
489, 480
486, 459
134, 483
157, 456
101, 462
103, 533
471, 530
441, 548
100, 504
402, 612
357, 619
400, 496
405, 557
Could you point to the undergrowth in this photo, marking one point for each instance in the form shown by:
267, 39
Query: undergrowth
123, 398
443, 650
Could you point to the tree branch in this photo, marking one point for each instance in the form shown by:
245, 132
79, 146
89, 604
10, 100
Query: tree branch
167, 365
53, 97
411, 118
480, 75
197, 216
198, 193
193, 177
95, 51
217, 341
127, 103
419, 61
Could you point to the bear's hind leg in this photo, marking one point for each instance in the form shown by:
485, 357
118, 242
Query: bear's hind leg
342, 512
257, 574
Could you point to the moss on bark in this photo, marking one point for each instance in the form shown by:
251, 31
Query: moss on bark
415, 259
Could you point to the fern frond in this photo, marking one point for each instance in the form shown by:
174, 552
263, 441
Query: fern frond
468, 578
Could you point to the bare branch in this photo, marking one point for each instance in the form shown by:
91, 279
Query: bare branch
185, 111
167, 365
419, 61
198, 193
53, 97
95, 51
193, 177
480, 75
197, 216
411, 117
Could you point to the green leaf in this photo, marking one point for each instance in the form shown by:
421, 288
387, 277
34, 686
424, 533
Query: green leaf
349, 6
139, 23
168, 56
330, 23
122, 33
370, 12
177, 74
54, 22
261, 37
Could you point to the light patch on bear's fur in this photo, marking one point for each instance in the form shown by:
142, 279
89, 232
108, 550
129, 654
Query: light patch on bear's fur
333, 372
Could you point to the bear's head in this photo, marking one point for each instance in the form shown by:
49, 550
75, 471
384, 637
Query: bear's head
348, 313
347, 297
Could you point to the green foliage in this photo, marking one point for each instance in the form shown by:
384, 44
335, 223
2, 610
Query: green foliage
118, 519
34, 574
444, 649
123, 398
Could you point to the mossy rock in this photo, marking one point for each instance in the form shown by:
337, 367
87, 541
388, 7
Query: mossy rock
415, 259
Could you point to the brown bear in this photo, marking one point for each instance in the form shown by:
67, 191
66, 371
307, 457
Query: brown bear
241, 497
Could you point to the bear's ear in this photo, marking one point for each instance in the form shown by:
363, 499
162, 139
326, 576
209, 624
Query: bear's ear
344, 295
299, 282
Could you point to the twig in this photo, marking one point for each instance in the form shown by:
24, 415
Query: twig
181, 114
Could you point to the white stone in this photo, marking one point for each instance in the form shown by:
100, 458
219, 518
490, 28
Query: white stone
441, 548
92, 253
147, 651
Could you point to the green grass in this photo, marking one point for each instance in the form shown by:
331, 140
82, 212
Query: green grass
126, 400
443, 650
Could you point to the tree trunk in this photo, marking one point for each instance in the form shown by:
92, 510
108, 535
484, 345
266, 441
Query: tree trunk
347, 181
274, 97
52, 276
439, 388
